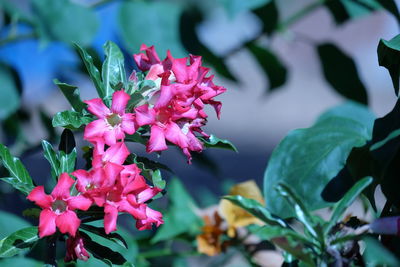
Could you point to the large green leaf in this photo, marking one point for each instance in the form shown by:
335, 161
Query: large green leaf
341, 73
377, 255
70, 119
9, 223
307, 159
71, 93
18, 241
113, 70
9, 97
20, 178
92, 70
66, 21
389, 57
270, 64
159, 23
180, 217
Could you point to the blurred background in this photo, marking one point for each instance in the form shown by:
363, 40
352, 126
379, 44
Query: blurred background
268, 54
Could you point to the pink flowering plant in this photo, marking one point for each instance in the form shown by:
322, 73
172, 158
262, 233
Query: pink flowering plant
161, 104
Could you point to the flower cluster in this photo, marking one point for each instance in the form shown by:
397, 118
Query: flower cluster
109, 183
175, 110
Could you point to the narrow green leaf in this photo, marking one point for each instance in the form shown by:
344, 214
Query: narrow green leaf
114, 237
20, 179
70, 119
393, 135
256, 209
341, 73
216, 142
51, 156
346, 201
389, 57
92, 71
67, 161
71, 93
9, 96
270, 64
18, 241
113, 70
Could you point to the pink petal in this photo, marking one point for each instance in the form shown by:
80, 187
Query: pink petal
79, 202
110, 136
95, 130
112, 170
116, 153
61, 190
40, 198
175, 135
83, 179
154, 71
119, 101
147, 194
68, 222
166, 95
128, 123
136, 211
144, 115
110, 218
97, 107
153, 217
47, 223
179, 67
157, 140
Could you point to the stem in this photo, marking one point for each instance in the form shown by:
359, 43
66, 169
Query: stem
16, 38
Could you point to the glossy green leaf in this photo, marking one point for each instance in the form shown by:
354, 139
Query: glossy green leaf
71, 93
51, 157
18, 241
346, 201
270, 64
93, 72
216, 142
309, 158
67, 161
389, 57
55, 18
161, 23
20, 178
113, 70
67, 141
341, 73
255, 208
377, 255
9, 96
114, 237
180, 217
70, 119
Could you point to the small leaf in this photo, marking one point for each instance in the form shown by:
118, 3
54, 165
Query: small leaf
114, 237
67, 161
51, 157
341, 73
157, 179
113, 70
70, 119
67, 141
92, 71
18, 241
256, 209
270, 64
215, 142
20, 179
377, 255
389, 57
346, 201
71, 93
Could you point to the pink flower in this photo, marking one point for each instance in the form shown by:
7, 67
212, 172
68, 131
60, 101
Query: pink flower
58, 207
76, 249
112, 124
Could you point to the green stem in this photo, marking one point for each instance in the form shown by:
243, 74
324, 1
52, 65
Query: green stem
16, 38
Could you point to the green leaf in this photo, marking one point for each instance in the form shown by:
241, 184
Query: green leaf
309, 158
67, 141
161, 21
180, 217
113, 70
9, 96
377, 255
9, 223
70, 119
55, 18
270, 64
269, 15
256, 209
389, 57
114, 237
20, 179
216, 142
18, 241
341, 73
234, 7
67, 161
51, 157
392, 136
346, 201
71, 93
344, 10
92, 71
